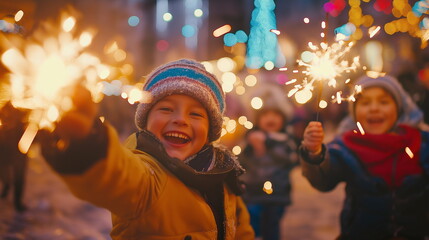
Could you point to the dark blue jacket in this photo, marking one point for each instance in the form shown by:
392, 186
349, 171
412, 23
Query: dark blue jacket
372, 210
274, 166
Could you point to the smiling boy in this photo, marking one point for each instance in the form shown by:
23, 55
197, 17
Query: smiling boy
170, 181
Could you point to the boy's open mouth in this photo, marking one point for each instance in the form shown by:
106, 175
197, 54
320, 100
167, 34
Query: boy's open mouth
375, 120
176, 138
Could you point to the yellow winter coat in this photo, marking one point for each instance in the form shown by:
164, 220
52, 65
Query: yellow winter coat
148, 202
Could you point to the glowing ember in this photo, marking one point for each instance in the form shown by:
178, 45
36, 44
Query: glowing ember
409, 152
275, 31
291, 81
360, 128
373, 30
222, 30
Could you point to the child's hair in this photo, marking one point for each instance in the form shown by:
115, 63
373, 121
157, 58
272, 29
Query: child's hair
190, 78
408, 112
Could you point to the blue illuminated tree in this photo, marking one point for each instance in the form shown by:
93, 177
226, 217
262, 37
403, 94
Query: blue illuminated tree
262, 45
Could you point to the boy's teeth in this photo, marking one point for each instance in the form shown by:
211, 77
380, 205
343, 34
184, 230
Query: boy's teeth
177, 135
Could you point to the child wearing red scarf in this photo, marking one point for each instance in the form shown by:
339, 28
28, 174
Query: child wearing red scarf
385, 166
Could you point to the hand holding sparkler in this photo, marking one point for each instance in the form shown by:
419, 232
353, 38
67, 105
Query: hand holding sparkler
77, 123
313, 138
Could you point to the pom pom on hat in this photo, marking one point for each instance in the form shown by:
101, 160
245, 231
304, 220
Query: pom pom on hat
186, 77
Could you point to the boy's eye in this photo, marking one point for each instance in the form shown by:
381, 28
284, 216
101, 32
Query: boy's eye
197, 114
165, 109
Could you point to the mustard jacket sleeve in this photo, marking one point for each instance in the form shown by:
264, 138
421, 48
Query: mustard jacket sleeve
126, 182
244, 229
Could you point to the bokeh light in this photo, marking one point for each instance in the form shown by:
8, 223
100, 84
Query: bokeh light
198, 13
133, 21
230, 39
188, 31
167, 17
256, 103
162, 45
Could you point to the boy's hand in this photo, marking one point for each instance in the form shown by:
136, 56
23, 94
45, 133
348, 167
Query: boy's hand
77, 123
313, 137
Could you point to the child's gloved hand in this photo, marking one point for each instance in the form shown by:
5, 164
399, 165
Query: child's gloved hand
313, 137
77, 123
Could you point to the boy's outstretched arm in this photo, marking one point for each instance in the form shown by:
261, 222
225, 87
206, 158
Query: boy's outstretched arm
79, 139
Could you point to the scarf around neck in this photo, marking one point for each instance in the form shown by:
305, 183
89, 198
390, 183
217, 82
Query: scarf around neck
385, 155
209, 167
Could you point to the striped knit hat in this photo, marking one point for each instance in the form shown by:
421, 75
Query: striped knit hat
189, 78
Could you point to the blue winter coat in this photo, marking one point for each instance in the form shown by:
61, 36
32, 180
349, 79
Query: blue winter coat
371, 209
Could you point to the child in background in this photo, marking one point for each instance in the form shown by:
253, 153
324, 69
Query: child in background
385, 168
171, 181
268, 157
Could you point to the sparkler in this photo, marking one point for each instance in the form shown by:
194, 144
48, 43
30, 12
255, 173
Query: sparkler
45, 69
326, 64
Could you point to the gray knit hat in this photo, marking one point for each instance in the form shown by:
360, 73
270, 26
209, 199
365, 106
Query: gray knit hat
408, 112
190, 78
390, 84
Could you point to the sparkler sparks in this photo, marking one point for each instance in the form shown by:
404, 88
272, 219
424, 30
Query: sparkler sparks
373, 30
409, 152
360, 128
45, 69
324, 64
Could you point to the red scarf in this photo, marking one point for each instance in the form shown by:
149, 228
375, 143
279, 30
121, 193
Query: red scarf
379, 152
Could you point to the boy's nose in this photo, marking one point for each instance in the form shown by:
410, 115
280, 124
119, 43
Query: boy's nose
180, 119
373, 107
